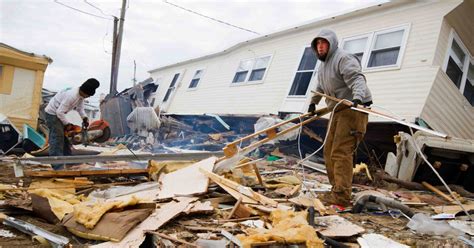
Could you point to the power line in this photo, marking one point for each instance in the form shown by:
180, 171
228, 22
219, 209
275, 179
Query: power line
84, 12
97, 8
208, 17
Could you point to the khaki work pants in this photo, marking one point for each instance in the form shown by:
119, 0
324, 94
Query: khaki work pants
347, 130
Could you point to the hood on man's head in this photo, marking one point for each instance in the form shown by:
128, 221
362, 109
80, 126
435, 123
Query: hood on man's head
328, 35
89, 86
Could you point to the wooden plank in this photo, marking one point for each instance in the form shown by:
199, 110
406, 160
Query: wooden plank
136, 236
85, 173
438, 192
257, 172
187, 181
239, 188
235, 208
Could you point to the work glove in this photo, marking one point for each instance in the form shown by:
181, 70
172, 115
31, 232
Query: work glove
85, 122
312, 108
68, 127
356, 102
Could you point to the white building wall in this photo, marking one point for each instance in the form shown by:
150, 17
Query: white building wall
402, 90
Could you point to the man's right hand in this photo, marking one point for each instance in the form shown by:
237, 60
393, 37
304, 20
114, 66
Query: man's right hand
312, 108
68, 127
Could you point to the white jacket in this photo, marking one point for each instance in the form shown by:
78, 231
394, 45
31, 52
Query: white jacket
65, 101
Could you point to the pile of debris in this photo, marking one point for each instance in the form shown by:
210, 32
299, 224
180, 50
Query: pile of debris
267, 201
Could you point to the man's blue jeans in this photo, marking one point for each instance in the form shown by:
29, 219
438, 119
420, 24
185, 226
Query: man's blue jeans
59, 145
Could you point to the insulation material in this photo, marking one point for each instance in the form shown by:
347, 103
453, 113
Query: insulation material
122, 222
61, 196
143, 120
89, 214
288, 227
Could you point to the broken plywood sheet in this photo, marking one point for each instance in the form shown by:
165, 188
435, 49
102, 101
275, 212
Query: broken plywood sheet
452, 209
338, 227
374, 240
187, 181
136, 236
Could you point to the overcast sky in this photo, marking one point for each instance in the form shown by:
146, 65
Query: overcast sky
155, 33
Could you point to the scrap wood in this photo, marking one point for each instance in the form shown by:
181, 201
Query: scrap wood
438, 192
161, 216
239, 201
246, 191
452, 209
312, 202
82, 173
195, 182
162, 235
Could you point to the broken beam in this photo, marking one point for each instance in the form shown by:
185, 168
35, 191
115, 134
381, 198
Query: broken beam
96, 173
126, 157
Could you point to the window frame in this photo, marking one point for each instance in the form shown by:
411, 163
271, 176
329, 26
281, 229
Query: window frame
200, 79
172, 87
247, 77
295, 70
468, 59
371, 43
367, 44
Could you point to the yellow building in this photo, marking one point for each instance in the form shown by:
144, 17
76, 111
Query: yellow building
21, 81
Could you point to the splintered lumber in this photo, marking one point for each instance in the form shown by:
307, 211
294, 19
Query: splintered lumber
162, 235
234, 208
187, 181
438, 192
85, 173
242, 190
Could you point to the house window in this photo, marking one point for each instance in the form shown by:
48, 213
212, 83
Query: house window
251, 70
356, 46
469, 87
196, 78
459, 67
386, 48
172, 87
455, 65
304, 73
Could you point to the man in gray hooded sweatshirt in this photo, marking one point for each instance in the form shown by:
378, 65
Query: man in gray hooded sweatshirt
340, 76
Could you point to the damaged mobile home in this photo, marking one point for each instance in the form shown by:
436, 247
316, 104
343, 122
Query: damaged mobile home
418, 63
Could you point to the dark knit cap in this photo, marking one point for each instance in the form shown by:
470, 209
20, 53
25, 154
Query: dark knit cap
89, 86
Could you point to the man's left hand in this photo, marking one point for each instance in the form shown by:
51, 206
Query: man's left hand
85, 122
356, 102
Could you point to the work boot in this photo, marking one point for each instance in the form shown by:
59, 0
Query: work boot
332, 198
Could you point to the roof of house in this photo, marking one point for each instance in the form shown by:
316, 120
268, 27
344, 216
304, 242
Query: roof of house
26, 53
303, 26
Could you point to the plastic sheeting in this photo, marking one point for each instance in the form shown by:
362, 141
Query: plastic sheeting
143, 120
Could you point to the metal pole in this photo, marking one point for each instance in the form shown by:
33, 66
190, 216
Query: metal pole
113, 85
119, 46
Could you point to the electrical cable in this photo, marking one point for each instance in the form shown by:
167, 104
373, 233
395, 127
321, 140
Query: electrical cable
97, 8
84, 12
208, 17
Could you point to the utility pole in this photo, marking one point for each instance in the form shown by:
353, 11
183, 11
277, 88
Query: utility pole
117, 49
134, 73
113, 85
